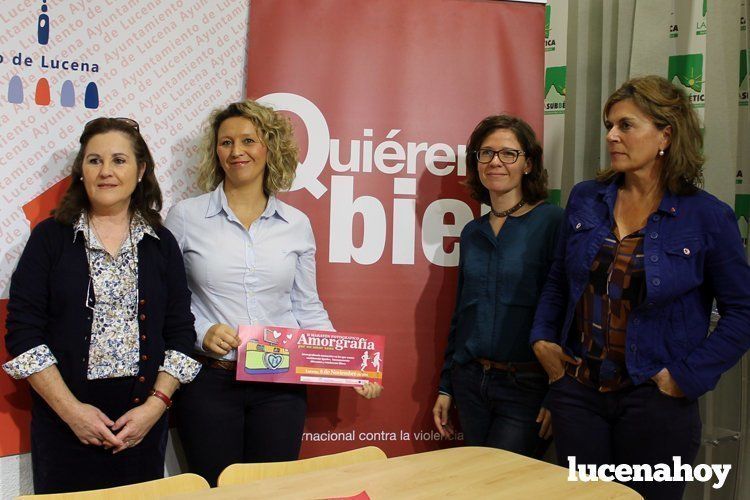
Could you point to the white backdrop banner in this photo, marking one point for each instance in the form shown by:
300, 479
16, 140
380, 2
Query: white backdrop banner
166, 64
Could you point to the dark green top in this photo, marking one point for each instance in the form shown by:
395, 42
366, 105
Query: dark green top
499, 283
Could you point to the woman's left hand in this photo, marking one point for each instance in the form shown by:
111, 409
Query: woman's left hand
135, 424
667, 384
370, 390
544, 418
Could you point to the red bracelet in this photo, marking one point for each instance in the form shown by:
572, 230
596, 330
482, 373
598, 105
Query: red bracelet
158, 394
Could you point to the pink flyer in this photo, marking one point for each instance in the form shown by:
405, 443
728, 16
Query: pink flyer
293, 356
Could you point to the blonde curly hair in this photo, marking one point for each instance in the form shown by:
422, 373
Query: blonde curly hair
274, 130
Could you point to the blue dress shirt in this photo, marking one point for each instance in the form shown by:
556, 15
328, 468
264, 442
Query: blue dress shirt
264, 275
500, 279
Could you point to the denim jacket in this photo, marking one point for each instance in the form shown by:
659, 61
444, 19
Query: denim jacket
693, 254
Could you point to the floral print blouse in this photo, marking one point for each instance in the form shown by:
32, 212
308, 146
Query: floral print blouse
113, 298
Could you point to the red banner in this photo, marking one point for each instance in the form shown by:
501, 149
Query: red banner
384, 95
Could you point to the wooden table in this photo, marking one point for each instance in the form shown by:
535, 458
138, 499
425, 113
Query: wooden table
465, 472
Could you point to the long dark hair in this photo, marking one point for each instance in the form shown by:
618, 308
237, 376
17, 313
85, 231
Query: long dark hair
146, 198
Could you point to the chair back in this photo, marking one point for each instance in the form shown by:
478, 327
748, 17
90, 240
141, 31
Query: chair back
182, 483
245, 473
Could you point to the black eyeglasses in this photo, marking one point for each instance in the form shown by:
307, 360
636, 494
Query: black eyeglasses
507, 155
127, 121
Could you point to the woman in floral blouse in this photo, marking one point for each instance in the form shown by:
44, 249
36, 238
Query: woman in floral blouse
99, 320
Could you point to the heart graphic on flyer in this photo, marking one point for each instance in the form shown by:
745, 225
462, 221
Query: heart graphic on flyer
274, 360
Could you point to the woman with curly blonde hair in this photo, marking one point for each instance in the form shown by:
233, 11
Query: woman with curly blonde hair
250, 260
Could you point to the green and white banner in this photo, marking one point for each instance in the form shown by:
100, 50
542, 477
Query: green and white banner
555, 90
686, 66
742, 197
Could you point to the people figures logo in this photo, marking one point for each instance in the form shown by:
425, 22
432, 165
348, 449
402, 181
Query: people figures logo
687, 71
47, 63
42, 30
67, 95
91, 98
15, 90
555, 90
41, 96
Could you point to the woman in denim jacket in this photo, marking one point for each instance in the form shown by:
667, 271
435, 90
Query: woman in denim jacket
622, 325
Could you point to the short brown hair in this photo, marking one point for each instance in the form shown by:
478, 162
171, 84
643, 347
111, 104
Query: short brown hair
146, 199
666, 105
276, 134
533, 184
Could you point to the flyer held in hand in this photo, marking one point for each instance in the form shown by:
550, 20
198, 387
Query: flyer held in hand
294, 356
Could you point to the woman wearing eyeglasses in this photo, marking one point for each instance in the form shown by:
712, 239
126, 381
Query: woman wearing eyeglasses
99, 320
490, 373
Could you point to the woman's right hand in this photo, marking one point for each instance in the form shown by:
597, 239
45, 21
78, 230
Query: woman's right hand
91, 425
553, 359
440, 413
220, 339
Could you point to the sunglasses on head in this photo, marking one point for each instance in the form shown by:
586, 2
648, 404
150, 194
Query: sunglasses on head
127, 121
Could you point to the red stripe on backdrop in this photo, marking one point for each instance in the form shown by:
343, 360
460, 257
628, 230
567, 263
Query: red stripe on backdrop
15, 400
420, 74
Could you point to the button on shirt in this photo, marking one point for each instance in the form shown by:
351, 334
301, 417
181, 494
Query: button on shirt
112, 301
693, 254
499, 283
616, 287
264, 275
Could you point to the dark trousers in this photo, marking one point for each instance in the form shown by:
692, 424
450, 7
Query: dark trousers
499, 408
222, 421
61, 463
637, 425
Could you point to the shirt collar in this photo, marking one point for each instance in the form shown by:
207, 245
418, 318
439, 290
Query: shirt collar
217, 203
275, 208
670, 203
138, 228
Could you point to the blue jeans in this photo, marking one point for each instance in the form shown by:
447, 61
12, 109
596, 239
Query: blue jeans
499, 408
635, 425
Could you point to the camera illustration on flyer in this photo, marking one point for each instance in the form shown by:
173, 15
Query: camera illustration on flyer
295, 356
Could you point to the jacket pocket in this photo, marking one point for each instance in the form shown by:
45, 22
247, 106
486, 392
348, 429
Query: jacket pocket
579, 237
684, 258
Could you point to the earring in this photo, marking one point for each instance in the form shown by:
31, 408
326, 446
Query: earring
661, 152
526, 173
139, 179
81, 178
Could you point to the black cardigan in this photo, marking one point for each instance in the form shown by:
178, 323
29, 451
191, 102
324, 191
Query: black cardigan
47, 304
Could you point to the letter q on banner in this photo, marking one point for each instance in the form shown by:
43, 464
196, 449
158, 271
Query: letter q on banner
318, 139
